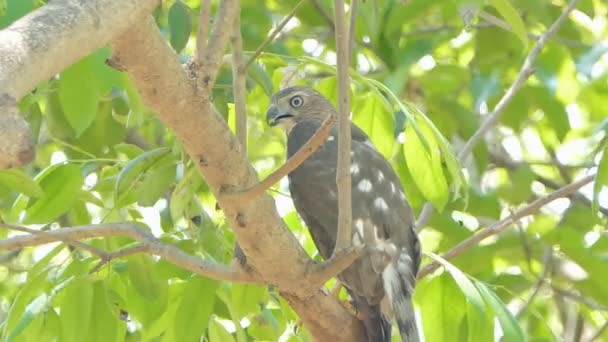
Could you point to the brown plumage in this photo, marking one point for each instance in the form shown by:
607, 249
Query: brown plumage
381, 282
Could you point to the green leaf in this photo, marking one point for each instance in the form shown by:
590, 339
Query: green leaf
509, 13
76, 311
217, 332
136, 167
17, 180
32, 311
79, 95
443, 306
180, 25
147, 296
191, 320
59, 182
464, 283
155, 184
106, 326
425, 167
372, 114
601, 178
261, 77
511, 330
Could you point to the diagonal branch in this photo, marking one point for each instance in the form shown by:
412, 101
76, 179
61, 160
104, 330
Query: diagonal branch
271, 37
144, 237
526, 70
271, 249
203, 30
343, 238
298, 158
211, 58
333, 266
68, 241
506, 223
491, 119
238, 80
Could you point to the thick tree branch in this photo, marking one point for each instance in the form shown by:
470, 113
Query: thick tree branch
48, 40
498, 227
144, 237
271, 37
298, 158
491, 119
343, 239
16, 147
43, 43
271, 249
238, 80
203, 30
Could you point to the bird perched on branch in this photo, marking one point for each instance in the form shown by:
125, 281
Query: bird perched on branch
382, 281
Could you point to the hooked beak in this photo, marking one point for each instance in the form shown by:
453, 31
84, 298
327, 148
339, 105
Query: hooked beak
273, 116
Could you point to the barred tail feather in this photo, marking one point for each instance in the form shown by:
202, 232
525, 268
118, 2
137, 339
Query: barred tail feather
377, 327
399, 293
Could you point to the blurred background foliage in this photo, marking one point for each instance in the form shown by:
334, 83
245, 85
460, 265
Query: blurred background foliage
102, 156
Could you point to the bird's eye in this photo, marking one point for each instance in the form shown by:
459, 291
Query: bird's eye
296, 101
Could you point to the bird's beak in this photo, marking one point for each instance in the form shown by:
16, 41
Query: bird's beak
273, 116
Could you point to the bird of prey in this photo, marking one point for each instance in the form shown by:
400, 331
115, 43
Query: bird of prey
382, 281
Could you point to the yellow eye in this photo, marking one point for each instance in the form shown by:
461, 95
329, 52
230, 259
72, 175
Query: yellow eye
296, 101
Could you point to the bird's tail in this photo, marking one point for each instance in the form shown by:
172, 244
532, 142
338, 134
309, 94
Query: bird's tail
377, 327
400, 296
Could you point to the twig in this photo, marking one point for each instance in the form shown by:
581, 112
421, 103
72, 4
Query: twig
599, 332
238, 79
492, 118
354, 6
343, 238
68, 241
139, 248
324, 15
506, 162
273, 35
298, 158
333, 266
577, 297
4, 258
203, 30
213, 54
503, 224
144, 237
548, 266
526, 70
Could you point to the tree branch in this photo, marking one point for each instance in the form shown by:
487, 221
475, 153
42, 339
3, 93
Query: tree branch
504, 224
354, 7
270, 248
333, 266
238, 79
273, 35
491, 119
211, 58
291, 164
344, 236
203, 30
144, 237
526, 70
68, 241
51, 38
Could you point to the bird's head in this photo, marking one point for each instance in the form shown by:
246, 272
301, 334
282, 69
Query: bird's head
296, 104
